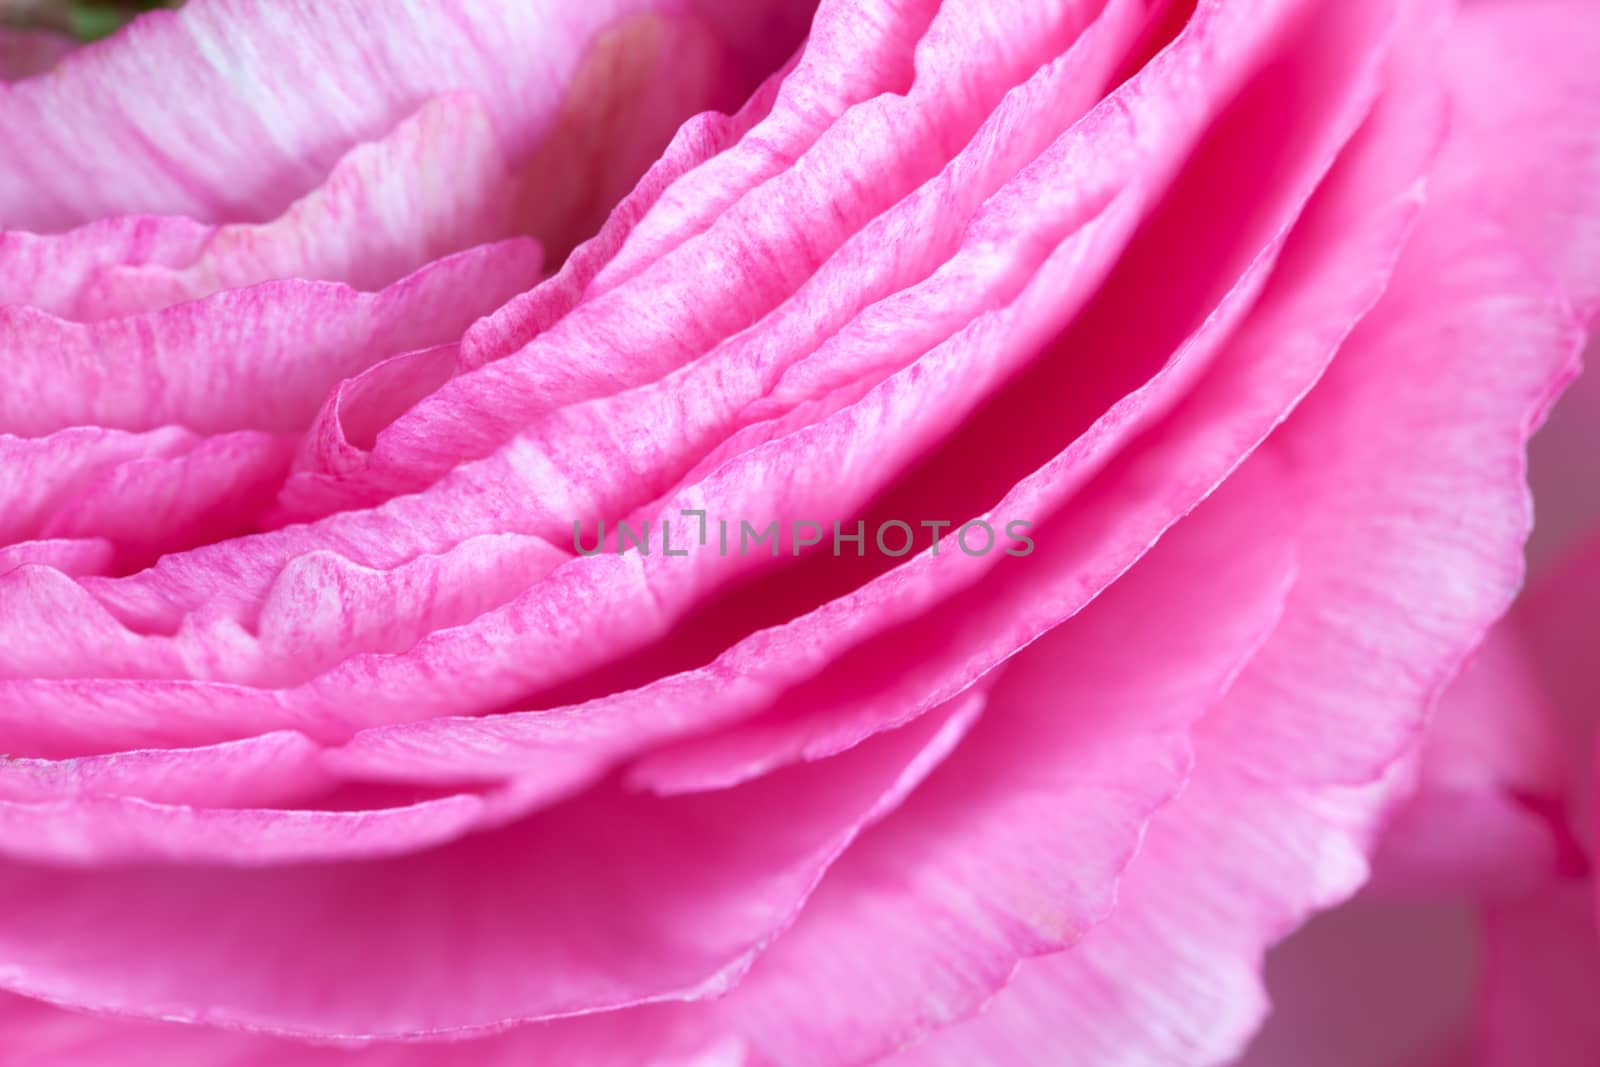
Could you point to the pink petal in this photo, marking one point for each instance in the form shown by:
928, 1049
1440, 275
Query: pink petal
1419, 568
434, 185
519, 923
272, 768
54, 272
1171, 976
98, 832
1015, 845
662, 1036
86, 485
602, 586
87, 555
1250, 849
1487, 814
700, 293
150, 506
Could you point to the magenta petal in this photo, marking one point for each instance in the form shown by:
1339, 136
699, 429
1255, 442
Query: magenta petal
103, 832
74, 556
271, 768
47, 1036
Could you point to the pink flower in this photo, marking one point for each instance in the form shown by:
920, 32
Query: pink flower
1194, 347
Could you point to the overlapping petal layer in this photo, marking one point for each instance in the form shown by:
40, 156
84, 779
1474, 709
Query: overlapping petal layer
320, 719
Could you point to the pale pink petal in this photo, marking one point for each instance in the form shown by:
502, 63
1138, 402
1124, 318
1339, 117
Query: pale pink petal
39, 475
67, 718
50, 628
100, 832
150, 506
258, 133
320, 602
85, 555
257, 358
327, 469
436, 184
55, 272
86, 485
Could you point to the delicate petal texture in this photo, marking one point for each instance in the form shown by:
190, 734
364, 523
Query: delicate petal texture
1015, 845
453, 458
255, 358
1090, 999
1171, 976
436, 184
1526, 81
260, 132
1462, 306
54, 272
512, 935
